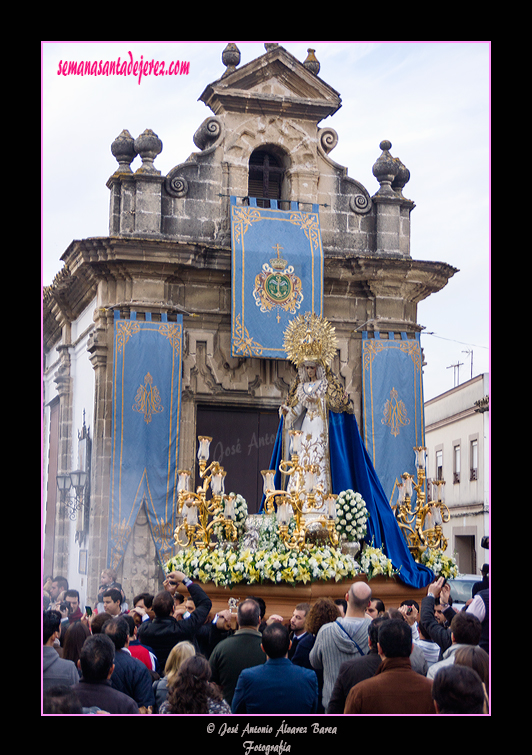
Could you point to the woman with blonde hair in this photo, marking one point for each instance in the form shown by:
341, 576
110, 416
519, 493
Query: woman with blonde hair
177, 655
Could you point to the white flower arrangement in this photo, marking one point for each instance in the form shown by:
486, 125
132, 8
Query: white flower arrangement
351, 516
441, 565
373, 562
227, 567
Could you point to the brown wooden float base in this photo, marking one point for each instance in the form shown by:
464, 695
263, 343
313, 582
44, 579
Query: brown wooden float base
282, 599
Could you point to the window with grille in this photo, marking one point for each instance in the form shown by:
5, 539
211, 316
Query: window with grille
265, 177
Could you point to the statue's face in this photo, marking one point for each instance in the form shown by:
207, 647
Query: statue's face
311, 371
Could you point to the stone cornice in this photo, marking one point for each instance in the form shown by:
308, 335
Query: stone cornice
117, 258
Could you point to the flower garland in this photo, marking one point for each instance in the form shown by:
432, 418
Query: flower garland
351, 516
442, 566
226, 567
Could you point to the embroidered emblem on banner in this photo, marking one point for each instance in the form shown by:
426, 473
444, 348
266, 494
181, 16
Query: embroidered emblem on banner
148, 399
395, 414
277, 286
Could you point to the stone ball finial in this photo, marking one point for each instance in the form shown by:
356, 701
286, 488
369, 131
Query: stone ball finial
230, 57
148, 146
311, 62
401, 179
385, 169
123, 149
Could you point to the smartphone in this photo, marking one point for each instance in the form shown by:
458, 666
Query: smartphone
88, 610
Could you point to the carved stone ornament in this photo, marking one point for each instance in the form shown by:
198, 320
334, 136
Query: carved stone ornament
208, 133
148, 145
176, 185
123, 149
328, 139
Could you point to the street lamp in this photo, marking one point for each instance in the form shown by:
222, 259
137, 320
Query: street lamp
78, 481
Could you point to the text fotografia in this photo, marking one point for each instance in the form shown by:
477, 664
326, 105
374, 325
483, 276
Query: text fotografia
127, 67
250, 746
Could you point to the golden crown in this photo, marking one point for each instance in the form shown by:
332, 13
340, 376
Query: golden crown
310, 338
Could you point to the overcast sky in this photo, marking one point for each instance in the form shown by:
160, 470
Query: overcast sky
430, 99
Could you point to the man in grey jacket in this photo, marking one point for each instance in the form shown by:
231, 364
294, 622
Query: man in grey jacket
343, 639
55, 670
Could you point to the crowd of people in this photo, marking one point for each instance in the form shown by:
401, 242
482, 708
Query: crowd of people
167, 654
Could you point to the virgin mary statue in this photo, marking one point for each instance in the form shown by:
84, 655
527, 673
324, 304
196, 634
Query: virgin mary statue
328, 440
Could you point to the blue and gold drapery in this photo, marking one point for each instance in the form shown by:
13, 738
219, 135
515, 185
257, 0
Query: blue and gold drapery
145, 430
277, 273
393, 415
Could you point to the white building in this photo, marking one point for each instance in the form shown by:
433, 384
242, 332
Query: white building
458, 442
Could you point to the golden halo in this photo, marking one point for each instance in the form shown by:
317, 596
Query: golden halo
310, 338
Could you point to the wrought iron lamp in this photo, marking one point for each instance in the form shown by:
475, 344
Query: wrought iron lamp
301, 499
196, 509
77, 481
421, 525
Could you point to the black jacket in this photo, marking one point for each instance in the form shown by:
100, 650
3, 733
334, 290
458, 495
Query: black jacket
161, 634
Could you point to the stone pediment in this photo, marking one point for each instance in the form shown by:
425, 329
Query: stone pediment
276, 83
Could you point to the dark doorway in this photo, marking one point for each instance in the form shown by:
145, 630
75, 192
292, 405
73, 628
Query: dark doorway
242, 442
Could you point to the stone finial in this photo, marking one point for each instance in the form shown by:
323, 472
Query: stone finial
148, 146
385, 169
123, 149
401, 179
230, 58
311, 63
270, 46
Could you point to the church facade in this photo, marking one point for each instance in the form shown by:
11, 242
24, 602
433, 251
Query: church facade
168, 256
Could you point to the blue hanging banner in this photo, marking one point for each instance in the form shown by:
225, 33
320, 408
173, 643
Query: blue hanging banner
145, 431
277, 273
393, 414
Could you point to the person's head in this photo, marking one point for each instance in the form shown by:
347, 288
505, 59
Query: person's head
75, 636
131, 624
438, 614
394, 639
458, 690
373, 631
176, 657
163, 604
297, 622
97, 657
323, 611
72, 598
143, 600
98, 620
375, 608
59, 585
248, 613
261, 604
112, 601
108, 577
60, 700
485, 570
51, 626
342, 605
358, 599
192, 689
476, 658
118, 631
466, 629
276, 640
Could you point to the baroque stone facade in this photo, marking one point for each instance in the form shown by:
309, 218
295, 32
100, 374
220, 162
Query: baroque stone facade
169, 251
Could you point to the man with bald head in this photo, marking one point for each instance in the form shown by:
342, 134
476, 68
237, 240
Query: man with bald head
343, 639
